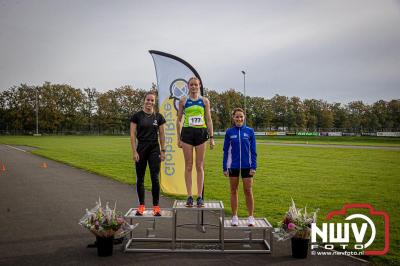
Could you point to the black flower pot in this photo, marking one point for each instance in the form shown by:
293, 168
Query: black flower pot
299, 248
105, 246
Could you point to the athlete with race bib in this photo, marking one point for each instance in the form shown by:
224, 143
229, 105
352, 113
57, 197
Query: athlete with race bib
196, 130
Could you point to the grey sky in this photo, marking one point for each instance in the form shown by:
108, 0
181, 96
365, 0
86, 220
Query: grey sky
338, 51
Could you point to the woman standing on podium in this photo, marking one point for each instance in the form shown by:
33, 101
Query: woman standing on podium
194, 135
240, 159
147, 126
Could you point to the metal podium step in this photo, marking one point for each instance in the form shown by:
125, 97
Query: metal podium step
208, 205
165, 213
250, 242
261, 223
135, 244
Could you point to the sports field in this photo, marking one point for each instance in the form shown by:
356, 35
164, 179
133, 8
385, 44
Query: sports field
319, 177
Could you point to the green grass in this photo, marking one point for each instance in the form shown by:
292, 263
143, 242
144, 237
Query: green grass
354, 141
324, 178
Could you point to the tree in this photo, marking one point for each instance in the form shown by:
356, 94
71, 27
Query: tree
296, 114
279, 106
312, 110
130, 101
340, 120
90, 107
326, 118
260, 113
63, 108
356, 115
216, 108
380, 114
230, 99
394, 113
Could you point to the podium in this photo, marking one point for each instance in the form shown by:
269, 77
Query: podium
209, 237
167, 214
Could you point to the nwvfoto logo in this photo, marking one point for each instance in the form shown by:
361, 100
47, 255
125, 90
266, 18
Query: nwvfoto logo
177, 90
339, 233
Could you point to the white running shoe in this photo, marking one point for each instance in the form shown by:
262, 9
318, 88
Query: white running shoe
251, 221
235, 221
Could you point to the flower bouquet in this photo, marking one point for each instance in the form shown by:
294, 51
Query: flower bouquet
296, 225
105, 222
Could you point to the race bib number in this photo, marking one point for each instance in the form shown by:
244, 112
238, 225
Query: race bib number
196, 120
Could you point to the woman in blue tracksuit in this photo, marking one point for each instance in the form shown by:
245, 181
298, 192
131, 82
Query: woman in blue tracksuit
240, 159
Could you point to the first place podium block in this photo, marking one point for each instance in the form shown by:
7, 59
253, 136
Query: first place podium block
203, 244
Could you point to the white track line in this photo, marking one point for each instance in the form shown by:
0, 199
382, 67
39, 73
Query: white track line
15, 148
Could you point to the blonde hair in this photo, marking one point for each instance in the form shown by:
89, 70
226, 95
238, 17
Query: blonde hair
194, 78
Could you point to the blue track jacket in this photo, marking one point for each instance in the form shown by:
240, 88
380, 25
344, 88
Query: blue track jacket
240, 148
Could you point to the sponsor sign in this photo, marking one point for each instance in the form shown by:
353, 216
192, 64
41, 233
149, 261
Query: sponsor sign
388, 134
307, 133
335, 134
271, 133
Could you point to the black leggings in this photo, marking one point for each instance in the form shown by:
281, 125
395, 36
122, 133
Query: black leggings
148, 152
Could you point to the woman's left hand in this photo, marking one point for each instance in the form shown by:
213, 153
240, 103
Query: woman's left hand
252, 172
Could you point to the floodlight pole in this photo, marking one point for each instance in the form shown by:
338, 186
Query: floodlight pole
244, 90
37, 111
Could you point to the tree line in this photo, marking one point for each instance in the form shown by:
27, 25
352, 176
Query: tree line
64, 109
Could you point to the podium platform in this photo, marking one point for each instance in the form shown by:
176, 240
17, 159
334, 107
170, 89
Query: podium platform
209, 237
148, 219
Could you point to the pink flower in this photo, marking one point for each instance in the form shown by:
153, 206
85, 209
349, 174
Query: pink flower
291, 226
120, 220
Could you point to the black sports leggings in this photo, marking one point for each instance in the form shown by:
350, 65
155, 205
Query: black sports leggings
148, 152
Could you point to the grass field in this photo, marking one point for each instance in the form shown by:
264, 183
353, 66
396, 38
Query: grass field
324, 178
355, 141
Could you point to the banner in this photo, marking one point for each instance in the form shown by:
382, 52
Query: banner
172, 75
388, 134
373, 134
308, 134
349, 134
334, 134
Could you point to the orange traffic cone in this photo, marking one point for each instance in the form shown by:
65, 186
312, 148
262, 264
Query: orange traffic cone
44, 165
3, 168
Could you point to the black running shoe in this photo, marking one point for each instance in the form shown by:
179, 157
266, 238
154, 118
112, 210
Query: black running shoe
189, 201
200, 202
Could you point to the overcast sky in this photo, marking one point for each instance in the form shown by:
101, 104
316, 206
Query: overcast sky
338, 51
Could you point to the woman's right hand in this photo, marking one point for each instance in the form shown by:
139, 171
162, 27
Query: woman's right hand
136, 157
226, 173
179, 143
